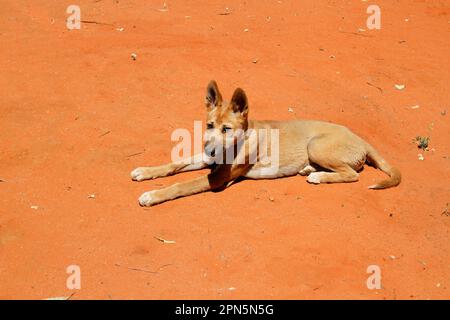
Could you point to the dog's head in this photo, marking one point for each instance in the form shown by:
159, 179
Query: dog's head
226, 121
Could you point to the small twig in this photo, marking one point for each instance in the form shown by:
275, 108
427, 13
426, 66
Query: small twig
96, 22
357, 34
104, 134
381, 90
135, 154
136, 269
164, 241
73, 293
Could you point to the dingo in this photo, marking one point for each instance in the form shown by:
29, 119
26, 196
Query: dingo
325, 152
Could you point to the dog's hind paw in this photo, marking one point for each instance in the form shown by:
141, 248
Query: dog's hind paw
307, 170
314, 177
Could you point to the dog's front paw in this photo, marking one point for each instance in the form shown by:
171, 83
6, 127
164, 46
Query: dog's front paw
141, 174
149, 199
314, 177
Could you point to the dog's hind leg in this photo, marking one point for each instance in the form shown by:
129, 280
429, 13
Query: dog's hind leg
146, 173
345, 174
343, 156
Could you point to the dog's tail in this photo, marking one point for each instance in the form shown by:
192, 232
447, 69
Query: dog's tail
377, 161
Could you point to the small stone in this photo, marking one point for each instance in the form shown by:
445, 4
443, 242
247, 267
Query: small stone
34, 207
272, 199
165, 8
400, 86
421, 157
91, 196
134, 56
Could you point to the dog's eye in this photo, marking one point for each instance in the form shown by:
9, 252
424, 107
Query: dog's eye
225, 129
210, 126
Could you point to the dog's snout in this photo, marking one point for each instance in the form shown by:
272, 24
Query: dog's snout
209, 149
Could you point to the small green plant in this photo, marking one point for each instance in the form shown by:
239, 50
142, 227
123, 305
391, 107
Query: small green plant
422, 142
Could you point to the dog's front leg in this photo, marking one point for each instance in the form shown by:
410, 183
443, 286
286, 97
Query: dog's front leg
146, 173
216, 179
177, 190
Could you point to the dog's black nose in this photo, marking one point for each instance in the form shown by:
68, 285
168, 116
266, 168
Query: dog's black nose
210, 150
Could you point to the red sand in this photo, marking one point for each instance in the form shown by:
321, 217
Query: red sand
74, 108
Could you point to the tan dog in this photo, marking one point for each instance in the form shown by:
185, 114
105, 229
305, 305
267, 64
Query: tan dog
325, 152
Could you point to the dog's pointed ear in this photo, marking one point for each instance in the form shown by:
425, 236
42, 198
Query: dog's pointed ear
213, 96
239, 101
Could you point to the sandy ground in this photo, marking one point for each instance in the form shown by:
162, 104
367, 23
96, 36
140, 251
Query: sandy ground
77, 114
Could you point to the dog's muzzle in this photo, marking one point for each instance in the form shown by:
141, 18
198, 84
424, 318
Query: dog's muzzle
210, 150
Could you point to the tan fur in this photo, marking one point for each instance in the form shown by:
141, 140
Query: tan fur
325, 152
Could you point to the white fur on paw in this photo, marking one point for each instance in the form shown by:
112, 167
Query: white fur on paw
147, 199
314, 177
138, 174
